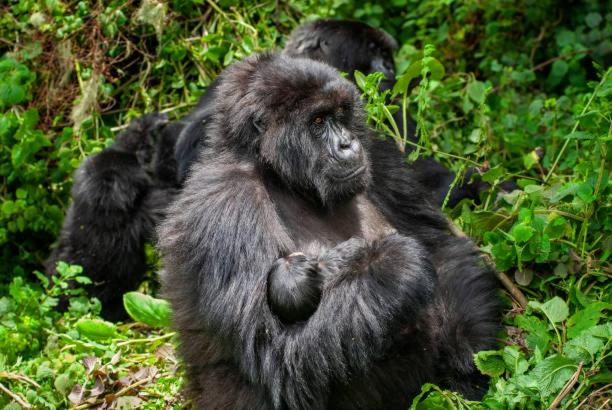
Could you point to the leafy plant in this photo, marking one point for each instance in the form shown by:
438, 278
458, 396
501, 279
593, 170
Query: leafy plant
514, 90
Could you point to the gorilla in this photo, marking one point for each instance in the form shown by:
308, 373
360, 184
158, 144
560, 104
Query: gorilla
346, 45
115, 207
305, 267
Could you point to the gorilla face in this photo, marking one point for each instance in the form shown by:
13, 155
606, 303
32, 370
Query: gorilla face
307, 126
347, 46
311, 140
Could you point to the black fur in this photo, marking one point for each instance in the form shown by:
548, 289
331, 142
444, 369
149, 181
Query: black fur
114, 210
346, 45
402, 301
294, 287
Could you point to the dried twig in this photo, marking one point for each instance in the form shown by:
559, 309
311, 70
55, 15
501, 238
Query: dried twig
16, 397
563, 57
115, 395
568, 387
20, 377
595, 393
503, 278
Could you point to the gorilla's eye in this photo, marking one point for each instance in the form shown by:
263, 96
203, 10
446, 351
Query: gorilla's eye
318, 120
340, 110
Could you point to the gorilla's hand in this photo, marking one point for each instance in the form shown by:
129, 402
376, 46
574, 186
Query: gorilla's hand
396, 259
294, 287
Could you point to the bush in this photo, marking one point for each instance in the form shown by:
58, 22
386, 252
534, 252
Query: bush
519, 89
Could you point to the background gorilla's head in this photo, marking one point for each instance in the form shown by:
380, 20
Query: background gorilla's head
297, 118
347, 46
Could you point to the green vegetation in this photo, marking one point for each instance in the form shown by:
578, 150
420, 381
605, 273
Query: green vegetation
520, 89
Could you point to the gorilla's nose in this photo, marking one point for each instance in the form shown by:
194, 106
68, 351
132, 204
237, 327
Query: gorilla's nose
348, 149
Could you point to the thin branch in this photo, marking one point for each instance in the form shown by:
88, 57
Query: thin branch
118, 394
568, 387
16, 397
606, 387
563, 57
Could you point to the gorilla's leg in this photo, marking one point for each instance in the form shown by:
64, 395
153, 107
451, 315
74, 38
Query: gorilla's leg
469, 310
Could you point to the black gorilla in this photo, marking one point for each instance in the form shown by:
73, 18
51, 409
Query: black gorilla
292, 184
346, 45
115, 207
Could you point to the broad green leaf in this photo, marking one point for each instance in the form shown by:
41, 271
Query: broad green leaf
515, 360
476, 91
538, 336
415, 70
583, 348
490, 362
146, 309
493, 174
522, 232
552, 373
63, 384
593, 19
586, 318
555, 309
557, 71
96, 329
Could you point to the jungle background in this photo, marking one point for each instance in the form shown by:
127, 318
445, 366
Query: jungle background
520, 89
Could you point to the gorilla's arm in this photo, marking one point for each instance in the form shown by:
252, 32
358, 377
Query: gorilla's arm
220, 240
192, 132
401, 197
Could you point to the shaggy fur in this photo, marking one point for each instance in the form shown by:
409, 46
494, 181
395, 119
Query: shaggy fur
402, 301
114, 210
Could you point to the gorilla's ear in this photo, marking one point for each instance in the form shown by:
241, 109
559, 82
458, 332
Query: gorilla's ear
258, 125
308, 43
249, 131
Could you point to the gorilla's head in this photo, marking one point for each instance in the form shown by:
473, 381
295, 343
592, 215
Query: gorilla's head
298, 119
347, 46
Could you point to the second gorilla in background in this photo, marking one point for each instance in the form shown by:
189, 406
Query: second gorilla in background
117, 200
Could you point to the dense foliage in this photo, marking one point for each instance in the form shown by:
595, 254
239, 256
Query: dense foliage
519, 89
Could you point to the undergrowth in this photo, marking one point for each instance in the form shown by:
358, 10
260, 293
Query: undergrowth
518, 90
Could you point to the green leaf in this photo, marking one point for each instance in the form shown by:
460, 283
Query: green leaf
63, 384
522, 232
555, 309
360, 79
146, 309
593, 19
493, 174
476, 91
552, 373
515, 360
579, 135
586, 318
557, 72
583, 348
96, 329
415, 70
490, 362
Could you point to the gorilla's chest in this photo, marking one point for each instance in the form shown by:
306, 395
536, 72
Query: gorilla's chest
314, 229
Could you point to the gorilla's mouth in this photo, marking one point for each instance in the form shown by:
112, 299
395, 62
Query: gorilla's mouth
350, 175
